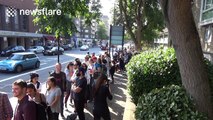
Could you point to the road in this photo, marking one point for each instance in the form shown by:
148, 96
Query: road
47, 65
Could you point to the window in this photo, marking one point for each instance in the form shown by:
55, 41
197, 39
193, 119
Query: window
206, 12
208, 34
24, 23
31, 56
7, 18
86, 36
16, 20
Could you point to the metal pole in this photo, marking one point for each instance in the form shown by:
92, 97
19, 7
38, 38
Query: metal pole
58, 49
110, 34
123, 39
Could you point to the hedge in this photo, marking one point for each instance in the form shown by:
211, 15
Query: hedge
152, 69
168, 103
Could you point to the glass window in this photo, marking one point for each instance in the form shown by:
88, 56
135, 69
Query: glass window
207, 12
7, 18
208, 4
16, 18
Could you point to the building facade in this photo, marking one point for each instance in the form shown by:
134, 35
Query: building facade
16, 29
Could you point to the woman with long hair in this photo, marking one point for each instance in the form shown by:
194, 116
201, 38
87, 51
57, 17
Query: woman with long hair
53, 97
101, 93
69, 71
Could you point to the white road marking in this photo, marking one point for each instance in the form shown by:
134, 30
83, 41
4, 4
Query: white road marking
30, 72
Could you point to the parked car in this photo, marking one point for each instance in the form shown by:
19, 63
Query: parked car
84, 48
47, 47
12, 49
67, 47
104, 48
36, 49
18, 62
53, 51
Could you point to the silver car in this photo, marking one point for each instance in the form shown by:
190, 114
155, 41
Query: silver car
36, 49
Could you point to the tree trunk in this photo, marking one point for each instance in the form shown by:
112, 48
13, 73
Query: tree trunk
138, 36
186, 41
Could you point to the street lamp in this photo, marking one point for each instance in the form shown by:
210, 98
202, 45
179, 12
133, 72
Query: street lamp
58, 5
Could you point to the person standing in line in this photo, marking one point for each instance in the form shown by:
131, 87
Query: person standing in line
35, 95
91, 69
108, 63
34, 79
87, 75
79, 89
25, 109
112, 71
6, 110
53, 97
61, 83
101, 93
69, 71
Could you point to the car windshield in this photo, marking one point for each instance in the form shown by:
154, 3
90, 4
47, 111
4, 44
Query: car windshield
33, 47
16, 57
55, 48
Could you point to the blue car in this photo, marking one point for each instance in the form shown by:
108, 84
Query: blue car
17, 62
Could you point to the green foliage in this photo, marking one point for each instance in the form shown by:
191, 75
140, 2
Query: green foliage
210, 75
168, 103
102, 31
149, 14
152, 69
64, 24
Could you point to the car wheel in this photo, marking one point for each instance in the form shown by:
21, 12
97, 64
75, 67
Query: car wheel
37, 65
18, 68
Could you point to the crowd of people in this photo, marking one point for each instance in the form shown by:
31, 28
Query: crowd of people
81, 82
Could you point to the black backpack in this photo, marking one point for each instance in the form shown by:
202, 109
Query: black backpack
41, 112
73, 116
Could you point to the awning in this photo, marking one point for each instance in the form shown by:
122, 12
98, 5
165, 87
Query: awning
49, 37
4, 33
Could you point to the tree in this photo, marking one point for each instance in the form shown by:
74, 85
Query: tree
102, 32
142, 19
117, 16
186, 42
64, 24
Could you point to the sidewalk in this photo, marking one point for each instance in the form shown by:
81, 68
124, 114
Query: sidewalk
120, 107
116, 106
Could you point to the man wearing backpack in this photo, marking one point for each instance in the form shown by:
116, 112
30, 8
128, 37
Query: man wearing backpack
25, 109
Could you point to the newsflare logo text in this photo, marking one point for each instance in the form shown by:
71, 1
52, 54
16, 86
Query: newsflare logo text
12, 12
